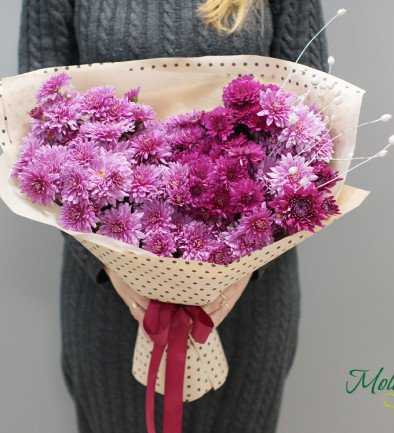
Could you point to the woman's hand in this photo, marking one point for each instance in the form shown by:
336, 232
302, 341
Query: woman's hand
223, 304
137, 304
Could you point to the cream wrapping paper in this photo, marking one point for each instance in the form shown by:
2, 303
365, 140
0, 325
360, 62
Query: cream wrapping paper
172, 86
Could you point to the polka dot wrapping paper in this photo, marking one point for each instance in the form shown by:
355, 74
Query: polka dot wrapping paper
173, 86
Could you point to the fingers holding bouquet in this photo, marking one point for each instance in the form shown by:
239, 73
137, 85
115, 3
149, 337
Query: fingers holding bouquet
224, 303
137, 304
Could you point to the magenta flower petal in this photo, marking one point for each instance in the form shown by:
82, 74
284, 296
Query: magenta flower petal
122, 224
160, 243
38, 185
78, 217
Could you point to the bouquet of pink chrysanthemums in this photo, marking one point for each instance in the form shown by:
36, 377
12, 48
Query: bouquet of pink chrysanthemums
211, 168
210, 185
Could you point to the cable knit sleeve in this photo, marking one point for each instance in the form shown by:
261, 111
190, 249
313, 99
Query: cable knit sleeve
47, 38
295, 22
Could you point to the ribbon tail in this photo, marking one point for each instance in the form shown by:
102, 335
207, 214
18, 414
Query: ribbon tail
154, 365
175, 373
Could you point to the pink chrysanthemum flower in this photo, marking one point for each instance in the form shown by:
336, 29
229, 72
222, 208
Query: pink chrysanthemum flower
256, 226
330, 206
96, 102
132, 94
176, 175
220, 254
242, 96
141, 114
325, 175
53, 157
196, 241
121, 224
290, 170
78, 217
28, 148
186, 138
323, 148
146, 182
184, 120
276, 106
82, 152
38, 184
75, 184
160, 243
156, 216
151, 146
50, 89
239, 245
200, 167
60, 122
105, 134
229, 170
299, 209
247, 194
219, 122
303, 130
220, 201
110, 177
249, 153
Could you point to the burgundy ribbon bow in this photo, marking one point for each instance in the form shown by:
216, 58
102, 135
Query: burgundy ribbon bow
169, 324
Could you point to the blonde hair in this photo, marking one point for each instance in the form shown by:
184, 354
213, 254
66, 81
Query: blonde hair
225, 15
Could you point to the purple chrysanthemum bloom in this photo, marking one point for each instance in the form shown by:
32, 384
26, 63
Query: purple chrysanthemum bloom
323, 148
303, 130
256, 226
82, 152
180, 218
50, 89
247, 194
28, 148
249, 153
75, 184
242, 94
96, 102
290, 170
176, 180
110, 177
121, 224
60, 122
196, 241
176, 175
220, 201
184, 120
141, 114
239, 245
220, 254
156, 216
132, 94
151, 146
299, 209
146, 182
186, 138
219, 122
53, 157
160, 243
38, 184
229, 170
325, 175
276, 106
330, 206
105, 134
78, 217
200, 167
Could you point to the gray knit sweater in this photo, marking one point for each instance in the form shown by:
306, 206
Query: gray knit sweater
98, 333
